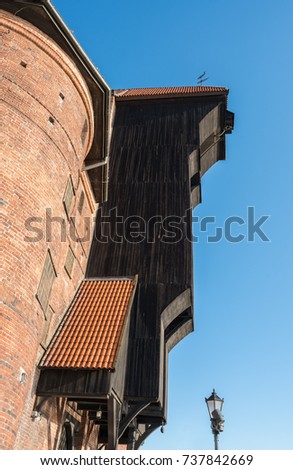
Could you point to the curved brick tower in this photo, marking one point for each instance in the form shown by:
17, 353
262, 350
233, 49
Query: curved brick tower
49, 130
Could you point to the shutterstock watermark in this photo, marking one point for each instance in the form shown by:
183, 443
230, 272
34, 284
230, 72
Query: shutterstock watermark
113, 227
251, 226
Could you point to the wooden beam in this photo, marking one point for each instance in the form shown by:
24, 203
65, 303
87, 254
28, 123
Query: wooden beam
91, 406
132, 430
113, 416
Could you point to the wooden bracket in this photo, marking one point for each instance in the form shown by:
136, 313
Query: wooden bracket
151, 428
133, 412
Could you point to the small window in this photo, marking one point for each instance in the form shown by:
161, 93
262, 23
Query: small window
61, 98
69, 262
84, 131
46, 283
81, 202
68, 196
48, 318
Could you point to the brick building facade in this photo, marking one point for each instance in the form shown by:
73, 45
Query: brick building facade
48, 204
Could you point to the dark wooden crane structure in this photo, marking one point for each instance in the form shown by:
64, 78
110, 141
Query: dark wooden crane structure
163, 141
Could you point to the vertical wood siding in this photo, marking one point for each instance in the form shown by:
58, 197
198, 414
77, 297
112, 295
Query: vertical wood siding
149, 176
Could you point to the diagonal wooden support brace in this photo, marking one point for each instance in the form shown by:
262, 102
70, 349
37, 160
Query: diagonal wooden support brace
148, 431
133, 412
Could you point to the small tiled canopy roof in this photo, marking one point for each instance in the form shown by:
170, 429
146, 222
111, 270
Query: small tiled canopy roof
168, 91
91, 331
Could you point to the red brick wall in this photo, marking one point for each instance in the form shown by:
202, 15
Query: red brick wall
46, 103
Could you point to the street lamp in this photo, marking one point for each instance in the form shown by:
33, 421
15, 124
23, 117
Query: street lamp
215, 404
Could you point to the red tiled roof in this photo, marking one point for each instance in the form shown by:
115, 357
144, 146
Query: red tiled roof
169, 91
91, 331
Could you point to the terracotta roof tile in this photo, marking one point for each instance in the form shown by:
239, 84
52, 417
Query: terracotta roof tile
91, 330
168, 91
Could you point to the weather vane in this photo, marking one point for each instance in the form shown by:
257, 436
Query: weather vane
201, 79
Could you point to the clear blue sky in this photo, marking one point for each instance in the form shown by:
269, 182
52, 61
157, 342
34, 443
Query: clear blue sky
243, 341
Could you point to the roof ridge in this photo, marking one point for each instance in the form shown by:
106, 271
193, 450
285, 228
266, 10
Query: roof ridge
170, 89
167, 91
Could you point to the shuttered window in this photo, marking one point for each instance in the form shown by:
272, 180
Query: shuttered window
81, 202
84, 131
48, 318
46, 282
69, 261
68, 196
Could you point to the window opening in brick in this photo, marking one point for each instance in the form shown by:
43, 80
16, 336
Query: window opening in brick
48, 318
84, 131
68, 196
69, 261
66, 438
81, 202
46, 282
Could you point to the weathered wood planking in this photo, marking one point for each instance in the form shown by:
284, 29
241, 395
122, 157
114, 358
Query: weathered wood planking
150, 175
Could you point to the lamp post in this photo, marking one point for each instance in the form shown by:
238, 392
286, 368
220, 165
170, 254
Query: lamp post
215, 404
